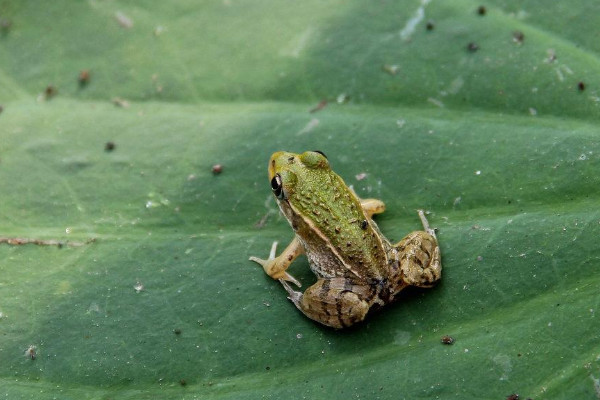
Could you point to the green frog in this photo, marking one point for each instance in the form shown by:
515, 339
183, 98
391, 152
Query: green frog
357, 267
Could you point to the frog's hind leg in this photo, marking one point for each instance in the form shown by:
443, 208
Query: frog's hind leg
372, 206
333, 302
418, 256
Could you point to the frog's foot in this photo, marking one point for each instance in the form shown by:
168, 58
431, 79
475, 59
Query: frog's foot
276, 267
419, 263
372, 206
332, 302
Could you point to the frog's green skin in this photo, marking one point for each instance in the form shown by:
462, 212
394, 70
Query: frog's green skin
356, 265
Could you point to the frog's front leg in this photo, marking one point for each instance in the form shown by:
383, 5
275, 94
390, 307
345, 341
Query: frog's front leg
276, 267
372, 206
334, 302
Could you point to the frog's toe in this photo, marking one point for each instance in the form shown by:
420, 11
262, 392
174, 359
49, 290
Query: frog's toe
294, 296
425, 223
289, 278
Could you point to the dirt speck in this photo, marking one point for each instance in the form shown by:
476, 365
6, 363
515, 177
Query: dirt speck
481, 10
84, 77
217, 169
109, 146
447, 340
518, 37
322, 104
472, 47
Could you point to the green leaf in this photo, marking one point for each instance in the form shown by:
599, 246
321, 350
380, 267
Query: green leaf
151, 294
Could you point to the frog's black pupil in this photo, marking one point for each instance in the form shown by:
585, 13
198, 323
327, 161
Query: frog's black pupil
320, 152
364, 224
276, 185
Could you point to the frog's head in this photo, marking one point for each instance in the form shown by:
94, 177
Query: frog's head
289, 172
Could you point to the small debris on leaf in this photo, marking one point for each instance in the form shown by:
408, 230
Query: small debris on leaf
138, 287
50, 92
124, 20
447, 340
109, 146
322, 104
120, 102
182, 382
217, 169
518, 37
84, 77
391, 69
343, 98
430, 25
31, 352
513, 396
481, 10
472, 47
177, 331
580, 86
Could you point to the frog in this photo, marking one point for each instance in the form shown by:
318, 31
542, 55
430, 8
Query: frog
357, 268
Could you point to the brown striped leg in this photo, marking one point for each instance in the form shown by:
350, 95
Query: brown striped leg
276, 267
333, 302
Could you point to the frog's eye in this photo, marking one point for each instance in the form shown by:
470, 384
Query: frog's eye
277, 187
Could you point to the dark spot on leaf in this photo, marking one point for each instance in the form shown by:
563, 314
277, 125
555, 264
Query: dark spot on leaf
84, 77
217, 169
481, 10
322, 104
581, 86
182, 382
109, 146
50, 92
472, 47
447, 340
430, 25
177, 331
518, 37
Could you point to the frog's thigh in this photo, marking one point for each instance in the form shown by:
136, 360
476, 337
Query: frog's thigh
419, 256
372, 206
333, 302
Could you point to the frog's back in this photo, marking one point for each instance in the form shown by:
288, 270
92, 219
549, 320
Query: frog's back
344, 235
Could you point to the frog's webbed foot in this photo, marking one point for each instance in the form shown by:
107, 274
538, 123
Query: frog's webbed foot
332, 302
418, 256
276, 267
372, 206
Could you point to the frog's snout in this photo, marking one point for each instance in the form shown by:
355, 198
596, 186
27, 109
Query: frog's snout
274, 163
